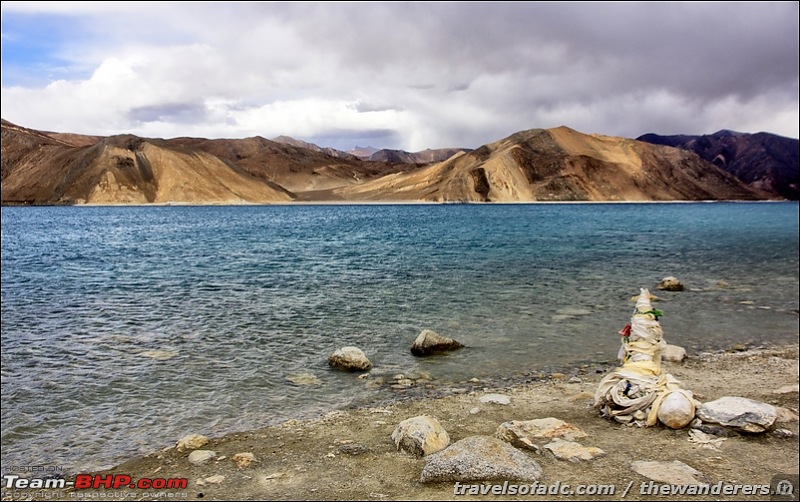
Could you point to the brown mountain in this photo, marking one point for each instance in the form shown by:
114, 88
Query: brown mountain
288, 140
424, 157
537, 165
297, 169
38, 168
764, 161
560, 165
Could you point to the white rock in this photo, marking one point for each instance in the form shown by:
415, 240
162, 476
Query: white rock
496, 399
215, 480
200, 457
676, 410
673, 354
739, 413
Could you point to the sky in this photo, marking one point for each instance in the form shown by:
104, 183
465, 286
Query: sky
401, 75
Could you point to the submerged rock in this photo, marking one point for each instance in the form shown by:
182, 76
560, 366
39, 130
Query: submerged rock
670, 284
480, 458
349, 359
429, 342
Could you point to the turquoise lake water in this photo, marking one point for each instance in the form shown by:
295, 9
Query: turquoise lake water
125, 328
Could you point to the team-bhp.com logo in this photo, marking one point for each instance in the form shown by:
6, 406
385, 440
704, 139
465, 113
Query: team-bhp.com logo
95, 481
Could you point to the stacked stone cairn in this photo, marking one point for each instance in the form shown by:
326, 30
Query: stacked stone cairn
640, 392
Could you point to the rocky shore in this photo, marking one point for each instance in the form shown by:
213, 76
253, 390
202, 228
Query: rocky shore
356, 455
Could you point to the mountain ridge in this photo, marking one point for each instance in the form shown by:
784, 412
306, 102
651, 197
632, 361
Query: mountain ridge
558, 164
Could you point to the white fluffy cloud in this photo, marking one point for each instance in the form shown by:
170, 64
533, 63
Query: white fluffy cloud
407, 75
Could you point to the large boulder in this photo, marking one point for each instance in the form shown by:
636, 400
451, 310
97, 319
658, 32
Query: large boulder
349, 359
420, 436
480, 458
430, 342
739, 413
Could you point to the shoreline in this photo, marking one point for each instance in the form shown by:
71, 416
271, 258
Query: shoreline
348, 454
402, 203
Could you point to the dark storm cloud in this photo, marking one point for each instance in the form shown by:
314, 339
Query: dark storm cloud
431, 74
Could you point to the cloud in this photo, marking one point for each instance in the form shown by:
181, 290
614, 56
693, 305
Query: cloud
416, 75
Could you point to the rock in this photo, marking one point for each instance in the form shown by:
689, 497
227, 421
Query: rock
574, 380
480, 458
303, 379
787, 389
785, 415
715, 430
558, 376
420, 436
670, 284
784, 434
374, 383
244, 459
349, 359
676, 410
526, 433
496, 399
215, 480
192, 442
673, 354
739, 413
673, 473
429, 342
200, 457
354, 449
572, 451
709, 441
474, 411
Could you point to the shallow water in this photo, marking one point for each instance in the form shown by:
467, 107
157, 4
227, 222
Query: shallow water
124, 328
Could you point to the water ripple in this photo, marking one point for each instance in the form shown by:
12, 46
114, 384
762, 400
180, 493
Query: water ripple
125, 328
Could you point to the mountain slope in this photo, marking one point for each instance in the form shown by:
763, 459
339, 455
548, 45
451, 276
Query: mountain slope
38, 169
294, 168
560, 165
764, 161
424, 157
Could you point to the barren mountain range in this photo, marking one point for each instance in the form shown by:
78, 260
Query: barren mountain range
557, 164
761, 160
